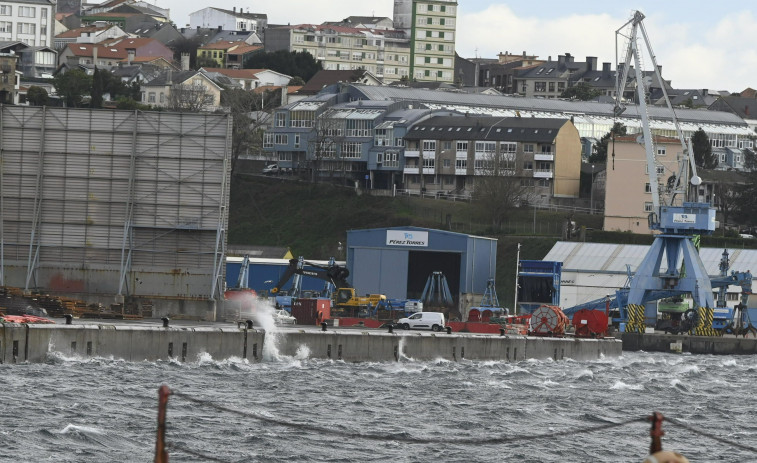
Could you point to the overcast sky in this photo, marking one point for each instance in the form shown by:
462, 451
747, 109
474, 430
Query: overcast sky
700, 44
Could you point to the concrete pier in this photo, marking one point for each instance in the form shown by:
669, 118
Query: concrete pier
148, 342
659, 342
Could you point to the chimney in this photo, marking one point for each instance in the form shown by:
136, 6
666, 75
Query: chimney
560, 60
220, 28
568, 58
234, 9
606, 68
94, 54
168, 77
185, 61
285, 95
130, 53
591, 63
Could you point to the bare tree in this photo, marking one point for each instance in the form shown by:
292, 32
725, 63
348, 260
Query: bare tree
189, 97
498, 188
325, 145
246, 109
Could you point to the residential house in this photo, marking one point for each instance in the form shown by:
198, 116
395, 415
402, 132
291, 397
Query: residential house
234, 20
455, 152
109, 53
88, 34
28, 21
364, 22
39, 62
324, 78
182, 91
245, 78
126, 6
227, 54
628, 194
248, 37
165, 33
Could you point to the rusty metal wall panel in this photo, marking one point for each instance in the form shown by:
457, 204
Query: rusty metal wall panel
84, 162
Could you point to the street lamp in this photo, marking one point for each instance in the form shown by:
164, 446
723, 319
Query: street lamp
591, 189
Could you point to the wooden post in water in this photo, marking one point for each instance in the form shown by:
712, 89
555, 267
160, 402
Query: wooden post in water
161, 455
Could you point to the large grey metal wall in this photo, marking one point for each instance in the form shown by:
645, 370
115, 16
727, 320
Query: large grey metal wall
98, 202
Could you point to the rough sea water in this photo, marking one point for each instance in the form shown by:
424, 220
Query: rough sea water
105, 410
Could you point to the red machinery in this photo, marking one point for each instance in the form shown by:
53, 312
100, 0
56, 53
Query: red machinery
548, 320
590, 323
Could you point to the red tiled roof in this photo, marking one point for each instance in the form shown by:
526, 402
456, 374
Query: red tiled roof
223, 45
73, 33
243, 50
236, 73
268, 88
114, 49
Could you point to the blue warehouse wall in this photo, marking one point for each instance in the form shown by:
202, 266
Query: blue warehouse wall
270, 271
380, 271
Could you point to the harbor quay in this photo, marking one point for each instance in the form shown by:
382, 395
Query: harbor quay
143, 341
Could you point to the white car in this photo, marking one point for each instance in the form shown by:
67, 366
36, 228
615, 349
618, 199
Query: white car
433, 321
282, 317
272, 169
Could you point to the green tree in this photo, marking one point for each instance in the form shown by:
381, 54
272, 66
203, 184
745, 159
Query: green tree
99, 80
700, 144
294, 63
600, 154
205, 62
36, 96
72, 86
296, 81
246, 131
581, 91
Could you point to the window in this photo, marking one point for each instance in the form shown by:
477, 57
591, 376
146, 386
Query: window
281, 120
486, 146
540, 86
151, 97
268, 140
506, 147
351, 150
447, 145
528, 148
660, 170
6, 26
281, 139
429, 145
6, 10
462, 146
647, 206
297, 141
561, 87
647, 188
661, 151
26, 11
302, 119
26, 28
429, 34
429, 163
528, 165
162, 97
551, 86
461, 163
447, 163
359, 128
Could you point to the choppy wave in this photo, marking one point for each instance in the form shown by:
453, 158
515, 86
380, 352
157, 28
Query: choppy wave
103, 409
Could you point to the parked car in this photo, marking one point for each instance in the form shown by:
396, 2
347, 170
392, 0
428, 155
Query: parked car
272, 169
282, 317
433, 321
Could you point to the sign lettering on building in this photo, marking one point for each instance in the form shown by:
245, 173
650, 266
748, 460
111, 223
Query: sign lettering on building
684, 218
406, 238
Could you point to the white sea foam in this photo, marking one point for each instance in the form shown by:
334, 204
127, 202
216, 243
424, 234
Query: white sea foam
73, 428
620, 385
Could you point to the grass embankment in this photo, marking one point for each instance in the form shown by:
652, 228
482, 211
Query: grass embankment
311, 220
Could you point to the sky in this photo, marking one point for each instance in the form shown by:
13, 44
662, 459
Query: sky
699, 44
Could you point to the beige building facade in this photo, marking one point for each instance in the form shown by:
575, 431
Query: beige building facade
628, 196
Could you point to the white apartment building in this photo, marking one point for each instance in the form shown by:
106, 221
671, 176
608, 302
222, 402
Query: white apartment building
27, 21
431, 26
228, 20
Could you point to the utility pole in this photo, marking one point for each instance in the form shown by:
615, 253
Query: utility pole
591, 189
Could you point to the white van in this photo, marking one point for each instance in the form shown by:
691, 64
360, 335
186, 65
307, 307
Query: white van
433, 321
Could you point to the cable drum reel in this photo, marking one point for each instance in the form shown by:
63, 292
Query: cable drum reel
548, 320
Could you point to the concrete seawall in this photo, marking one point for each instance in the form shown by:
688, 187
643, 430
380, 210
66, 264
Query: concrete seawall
33, 343
726, 345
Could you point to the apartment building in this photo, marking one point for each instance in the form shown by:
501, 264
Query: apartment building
431, 26
230, 20
454, 152
27, 21
628, 194
384, 53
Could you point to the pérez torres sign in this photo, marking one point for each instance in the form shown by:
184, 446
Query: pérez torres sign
406, 238
684, 218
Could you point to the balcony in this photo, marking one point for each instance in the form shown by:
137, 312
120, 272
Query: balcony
461, 171
412, 154
543, 173
429, 170
544, 156
411, 170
